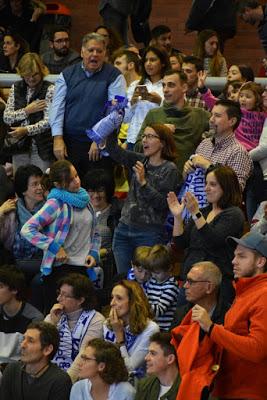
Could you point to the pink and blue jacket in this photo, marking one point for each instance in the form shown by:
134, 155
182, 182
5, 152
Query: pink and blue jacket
49, 227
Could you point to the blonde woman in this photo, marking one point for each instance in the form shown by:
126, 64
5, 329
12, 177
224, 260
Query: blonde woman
129, 325
29, 139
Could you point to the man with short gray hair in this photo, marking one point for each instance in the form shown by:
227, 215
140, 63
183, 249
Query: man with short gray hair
202, 286
196, 354
81, 93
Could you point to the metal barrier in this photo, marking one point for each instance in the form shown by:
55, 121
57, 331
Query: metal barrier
6, 80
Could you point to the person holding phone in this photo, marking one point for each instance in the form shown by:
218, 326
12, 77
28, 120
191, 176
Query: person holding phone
147, 93
65, 229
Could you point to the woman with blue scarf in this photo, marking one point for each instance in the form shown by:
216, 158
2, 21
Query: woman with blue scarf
65, 229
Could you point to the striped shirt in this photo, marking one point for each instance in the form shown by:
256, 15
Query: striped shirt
164, 297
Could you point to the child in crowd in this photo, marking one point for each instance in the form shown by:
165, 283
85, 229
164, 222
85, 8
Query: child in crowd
162, 290
231, 90
250, 99
138, 272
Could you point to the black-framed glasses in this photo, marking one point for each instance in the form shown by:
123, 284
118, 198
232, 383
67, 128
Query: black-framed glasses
149, 136
191, 282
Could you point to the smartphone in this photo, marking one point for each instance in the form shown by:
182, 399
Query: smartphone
142, 91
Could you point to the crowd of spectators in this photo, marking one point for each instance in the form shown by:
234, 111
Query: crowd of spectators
133, 210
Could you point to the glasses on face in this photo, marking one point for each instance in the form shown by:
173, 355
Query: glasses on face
64, 295
59, 41
191, 282
149, 136
86, 359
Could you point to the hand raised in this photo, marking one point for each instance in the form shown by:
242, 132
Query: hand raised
139, 170
176, 208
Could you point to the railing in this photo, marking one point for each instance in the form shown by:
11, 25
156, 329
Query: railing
6, 80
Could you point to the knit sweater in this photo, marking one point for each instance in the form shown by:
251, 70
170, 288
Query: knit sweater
49, 227
146, 206
244, 363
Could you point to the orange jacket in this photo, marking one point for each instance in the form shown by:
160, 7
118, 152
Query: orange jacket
243, 372
198, 360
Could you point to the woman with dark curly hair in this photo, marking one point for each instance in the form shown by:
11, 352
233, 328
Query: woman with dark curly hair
76, 319
146, 93
103, 374
14, 46
129, 325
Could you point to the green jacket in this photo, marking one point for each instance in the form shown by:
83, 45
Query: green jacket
190, 123
149, 388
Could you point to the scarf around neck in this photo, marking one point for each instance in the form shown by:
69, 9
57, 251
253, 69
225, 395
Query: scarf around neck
78, 199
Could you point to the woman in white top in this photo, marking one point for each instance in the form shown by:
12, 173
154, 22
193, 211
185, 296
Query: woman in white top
148, 92
129, 325
103, 374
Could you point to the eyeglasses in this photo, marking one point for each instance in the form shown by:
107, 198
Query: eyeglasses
66, 296
59, 41
85, 358
190, 282
149, 136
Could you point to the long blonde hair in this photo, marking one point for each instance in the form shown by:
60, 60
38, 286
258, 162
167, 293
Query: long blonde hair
139, 308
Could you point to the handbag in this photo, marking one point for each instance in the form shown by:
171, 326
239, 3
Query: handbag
13, 145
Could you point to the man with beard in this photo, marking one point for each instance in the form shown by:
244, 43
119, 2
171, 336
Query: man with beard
60, 56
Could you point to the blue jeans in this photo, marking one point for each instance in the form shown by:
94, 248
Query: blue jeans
125, 240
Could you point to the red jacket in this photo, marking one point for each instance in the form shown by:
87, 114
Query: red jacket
198, 360
243, 372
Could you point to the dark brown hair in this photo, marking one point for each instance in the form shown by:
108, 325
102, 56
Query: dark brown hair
200, 52
164, 60
227, 179
165, 134
115, 370
60, 173
81, 287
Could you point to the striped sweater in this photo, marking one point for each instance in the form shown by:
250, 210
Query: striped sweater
49, 227
164, 297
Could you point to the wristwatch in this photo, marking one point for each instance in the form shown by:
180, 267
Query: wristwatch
197, 216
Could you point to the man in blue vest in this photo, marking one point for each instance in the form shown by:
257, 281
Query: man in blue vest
81, 93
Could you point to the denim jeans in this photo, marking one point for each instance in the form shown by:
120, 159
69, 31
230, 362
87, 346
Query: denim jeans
125, 240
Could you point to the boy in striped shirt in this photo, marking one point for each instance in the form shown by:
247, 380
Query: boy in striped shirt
162, 290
